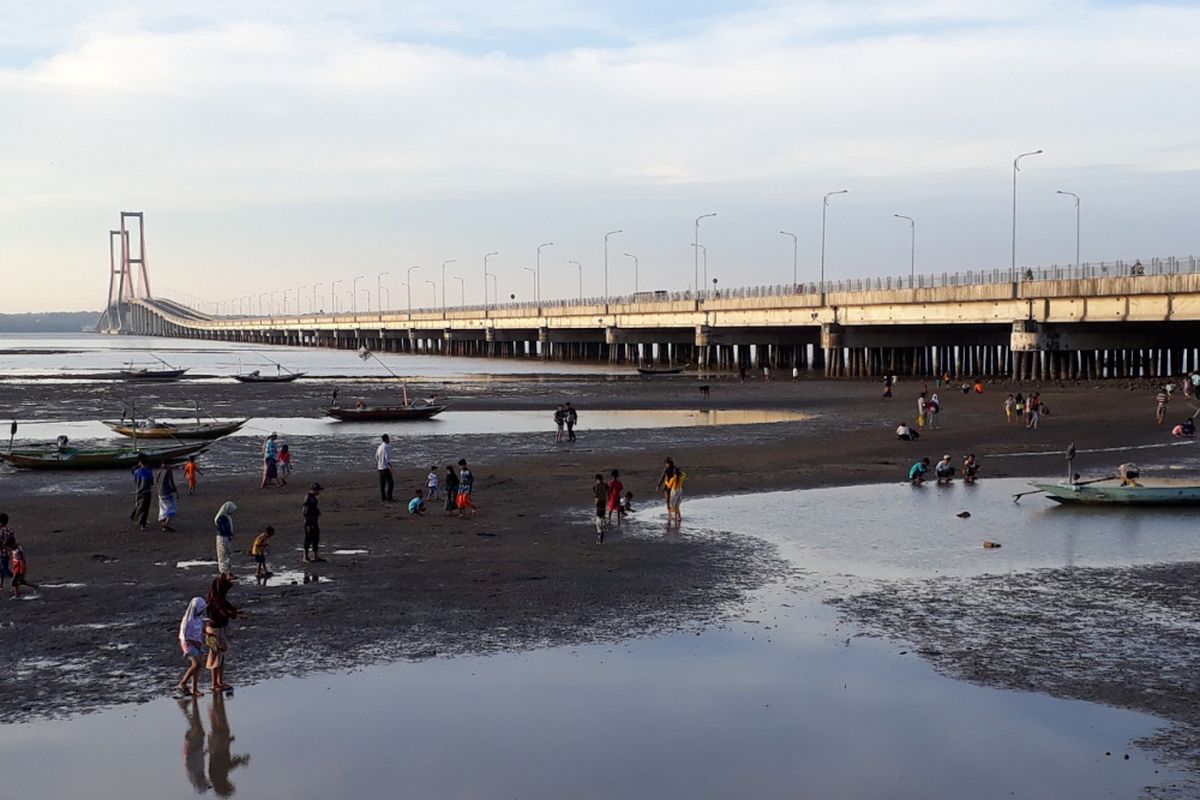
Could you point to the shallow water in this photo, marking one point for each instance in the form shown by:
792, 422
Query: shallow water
784, 701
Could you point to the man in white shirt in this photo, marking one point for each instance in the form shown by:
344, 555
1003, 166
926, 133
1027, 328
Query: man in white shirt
383, 461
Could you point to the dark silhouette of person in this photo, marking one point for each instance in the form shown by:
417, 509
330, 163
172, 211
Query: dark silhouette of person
220, 761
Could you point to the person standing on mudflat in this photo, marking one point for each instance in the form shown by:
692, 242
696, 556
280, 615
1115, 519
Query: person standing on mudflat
164, 483
572, 420
311, 510
143, 481
224, 523
383, 462
451, 491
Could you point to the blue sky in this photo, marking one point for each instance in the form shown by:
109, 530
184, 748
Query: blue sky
286, 143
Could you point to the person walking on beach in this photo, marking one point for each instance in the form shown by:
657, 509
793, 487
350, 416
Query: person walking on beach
922, 408
431, 483
1019, 406
191, 642
285, 463
600, 499
190, 470
887, 388
451, 491
270, 458
560, 419
383, 462
933, 410
572, 417
661, 486
674, 484
143, 482
258, 549
1160, 405
20, 569
466, 487
168, 495
224, 524
1033, 408
216, 630
7, 540
311, 511
1010, 405
615, 487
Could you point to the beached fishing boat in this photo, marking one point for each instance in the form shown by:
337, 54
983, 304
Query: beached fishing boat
1110, 491
151, 374
55, 457
666, 369
148, 429
258, 377
365, 413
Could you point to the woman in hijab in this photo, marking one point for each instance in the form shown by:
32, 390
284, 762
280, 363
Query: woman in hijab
191, 640
224, 522
220, 611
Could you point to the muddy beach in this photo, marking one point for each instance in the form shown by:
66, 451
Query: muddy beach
524, 573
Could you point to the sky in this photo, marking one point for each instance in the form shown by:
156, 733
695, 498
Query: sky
284, 145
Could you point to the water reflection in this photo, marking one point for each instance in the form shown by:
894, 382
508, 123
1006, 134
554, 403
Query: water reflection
216, 743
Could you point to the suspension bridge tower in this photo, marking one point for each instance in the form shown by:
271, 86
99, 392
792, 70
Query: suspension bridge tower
128, 278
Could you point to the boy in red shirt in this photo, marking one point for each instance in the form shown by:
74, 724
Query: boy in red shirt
615, 487
19, 568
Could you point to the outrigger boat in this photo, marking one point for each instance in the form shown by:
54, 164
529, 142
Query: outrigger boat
1125, 488
360, 411
130, 373
258, 377
150, 429
667, 369
63, 456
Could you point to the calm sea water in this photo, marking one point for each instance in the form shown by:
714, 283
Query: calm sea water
783, 702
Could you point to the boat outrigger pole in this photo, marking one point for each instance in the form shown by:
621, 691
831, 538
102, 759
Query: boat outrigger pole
366, 354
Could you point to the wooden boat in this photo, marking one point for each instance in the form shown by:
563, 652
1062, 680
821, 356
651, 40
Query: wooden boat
1109, 491
667, 369
151, 374
176, 430
258, 377
96, 457
367, 413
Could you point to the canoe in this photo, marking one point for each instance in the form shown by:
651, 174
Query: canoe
1149, 492
176, 430
666, 370
386, 413
151, 374
96, 458
258, 377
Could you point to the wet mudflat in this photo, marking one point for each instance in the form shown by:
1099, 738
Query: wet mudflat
785, 692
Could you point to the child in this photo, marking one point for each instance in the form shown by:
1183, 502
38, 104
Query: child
615, 487
431, 483
416, 506
259, 548
19, 568
285, 464
6, 542
466, 486
190, 470
627, 503
600, 496
191, 640
311, 510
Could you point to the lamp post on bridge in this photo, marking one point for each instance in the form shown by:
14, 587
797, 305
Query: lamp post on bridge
635, 271
408, 283
444, 263
367, 292
704, 253
285, 291
533, 273
272, 304
1072, 194
333, 294
495, 287
606, 238
485, 274
261, 295
579, 267
696, 254
912, 258
795, 256
537, 289
354, 293
379, 291
314, 288
1016, 169
824, 209
434, 285
300, 308
462, 288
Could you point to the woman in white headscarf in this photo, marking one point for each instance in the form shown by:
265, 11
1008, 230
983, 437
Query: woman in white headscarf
224, 522
191, 639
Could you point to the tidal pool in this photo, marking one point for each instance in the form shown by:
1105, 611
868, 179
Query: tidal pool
786, 700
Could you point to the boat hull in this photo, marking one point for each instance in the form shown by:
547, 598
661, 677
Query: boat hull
1149, 493
203, 430
384, 413
151, 374
660, 370
267, 378
107, 458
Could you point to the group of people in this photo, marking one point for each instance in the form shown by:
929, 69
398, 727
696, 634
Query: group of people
1029, 410
612, 502
148, 482
277, 461
944, 470
203, 633
565, 416
459, 486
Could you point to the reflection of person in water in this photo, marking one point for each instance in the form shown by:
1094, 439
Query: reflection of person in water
193, 745
220, 761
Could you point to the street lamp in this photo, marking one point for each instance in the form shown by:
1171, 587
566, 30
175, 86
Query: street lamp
696, 254
537, 289
579, 267
462, 288
606, 236
495, 287
1072, 194
261, 295
824, 208
408, 284
444, 263
315, 285
1016, 169
533, 273
298, 306
795, 254
354, 293
912, 258
272, 304
434, 285
635, 271
386, 293
485, 274
379, 291
333, 294
704, 252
